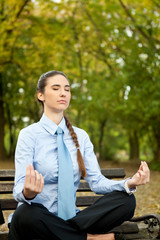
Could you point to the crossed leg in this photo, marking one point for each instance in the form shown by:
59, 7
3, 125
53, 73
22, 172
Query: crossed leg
35, 221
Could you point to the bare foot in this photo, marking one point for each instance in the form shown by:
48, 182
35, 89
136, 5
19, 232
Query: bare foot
108, 236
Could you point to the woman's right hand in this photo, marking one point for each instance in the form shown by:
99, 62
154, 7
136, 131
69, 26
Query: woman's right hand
33, 184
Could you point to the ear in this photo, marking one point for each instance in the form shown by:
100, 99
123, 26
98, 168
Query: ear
40, 96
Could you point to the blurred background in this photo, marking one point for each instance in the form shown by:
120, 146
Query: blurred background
110, 51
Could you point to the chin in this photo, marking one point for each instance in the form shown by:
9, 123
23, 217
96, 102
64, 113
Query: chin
59, 110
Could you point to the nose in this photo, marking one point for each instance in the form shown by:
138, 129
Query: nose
62, 92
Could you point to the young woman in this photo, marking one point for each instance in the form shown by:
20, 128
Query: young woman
41, 212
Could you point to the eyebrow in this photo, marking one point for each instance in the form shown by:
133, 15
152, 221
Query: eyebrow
58, 85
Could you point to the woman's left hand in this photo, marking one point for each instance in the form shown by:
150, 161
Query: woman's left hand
141, 177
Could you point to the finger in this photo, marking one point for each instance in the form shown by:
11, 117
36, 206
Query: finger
41, 183
27, 190
146, 170
138, 174
146, 167
37, 181
141, 173
143, 177
136, 178
27, 177
33, 178
141, 166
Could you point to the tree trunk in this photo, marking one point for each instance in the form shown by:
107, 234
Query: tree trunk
134, 146
11, 132
2, 121
102, 126
156, 150
156, 154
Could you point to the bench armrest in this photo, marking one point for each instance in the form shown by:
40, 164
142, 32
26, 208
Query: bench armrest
152, 220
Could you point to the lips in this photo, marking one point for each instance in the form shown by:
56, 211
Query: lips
62, 101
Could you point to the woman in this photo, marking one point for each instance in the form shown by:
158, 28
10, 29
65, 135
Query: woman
41, 211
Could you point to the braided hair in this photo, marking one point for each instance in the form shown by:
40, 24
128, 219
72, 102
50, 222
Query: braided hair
79, 155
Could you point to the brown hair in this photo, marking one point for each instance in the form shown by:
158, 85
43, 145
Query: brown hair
42, 82
79, 155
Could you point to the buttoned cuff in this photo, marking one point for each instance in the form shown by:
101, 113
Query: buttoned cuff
129, 190
21, 198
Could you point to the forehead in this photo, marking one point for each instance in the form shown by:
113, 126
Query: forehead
57, 79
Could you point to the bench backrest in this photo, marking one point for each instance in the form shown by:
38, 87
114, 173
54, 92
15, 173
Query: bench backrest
7, 183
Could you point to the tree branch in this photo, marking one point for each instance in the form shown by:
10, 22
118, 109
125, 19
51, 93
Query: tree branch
101, 57
21, 8
148, 38
100, 38
2, 9
157, 4
133, 20
76, 38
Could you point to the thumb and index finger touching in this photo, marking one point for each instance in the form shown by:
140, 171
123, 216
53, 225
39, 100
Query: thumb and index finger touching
34, 182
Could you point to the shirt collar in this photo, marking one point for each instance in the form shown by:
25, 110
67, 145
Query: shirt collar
51, 127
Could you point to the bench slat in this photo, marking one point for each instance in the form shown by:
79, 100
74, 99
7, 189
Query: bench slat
4, 235
8, 204
6, 187
8, 174
83, 187
11, 204
113, 173
85, 201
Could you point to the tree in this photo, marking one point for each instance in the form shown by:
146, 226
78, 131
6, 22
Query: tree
110, 52
11, 12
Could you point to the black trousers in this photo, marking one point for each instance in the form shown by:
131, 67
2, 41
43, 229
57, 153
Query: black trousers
36, 222
1, 216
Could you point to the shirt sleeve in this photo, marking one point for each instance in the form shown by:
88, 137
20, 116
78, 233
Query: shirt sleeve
97, 182
24, 155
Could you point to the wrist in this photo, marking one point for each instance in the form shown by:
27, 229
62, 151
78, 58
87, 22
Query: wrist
27, 196
130, 184
129, 187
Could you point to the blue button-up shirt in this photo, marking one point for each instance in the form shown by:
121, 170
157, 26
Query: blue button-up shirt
37, 145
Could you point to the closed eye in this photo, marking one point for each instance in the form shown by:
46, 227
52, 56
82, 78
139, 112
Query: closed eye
55, 88
67, 89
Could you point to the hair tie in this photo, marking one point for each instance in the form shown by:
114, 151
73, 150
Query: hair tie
77, 148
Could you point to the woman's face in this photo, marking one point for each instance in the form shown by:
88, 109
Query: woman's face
57, 95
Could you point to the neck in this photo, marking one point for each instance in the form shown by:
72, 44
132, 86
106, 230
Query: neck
54, 117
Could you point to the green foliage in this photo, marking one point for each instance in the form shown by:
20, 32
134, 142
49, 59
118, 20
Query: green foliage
110, 51
155, 166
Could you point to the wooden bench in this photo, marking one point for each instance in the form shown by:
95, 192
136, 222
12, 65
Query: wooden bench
144, 227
